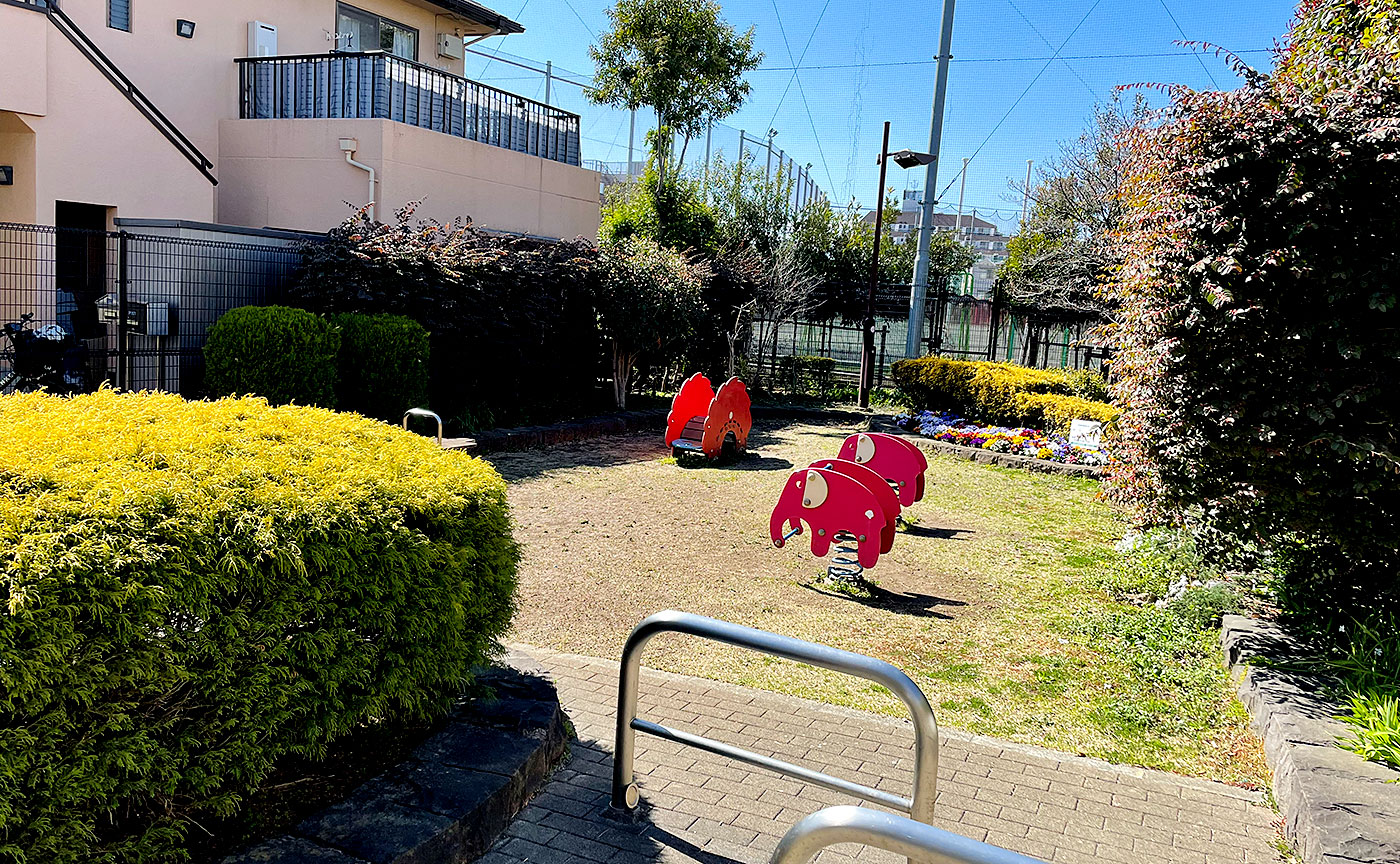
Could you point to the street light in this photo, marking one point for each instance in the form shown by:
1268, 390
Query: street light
909, 159
904, 159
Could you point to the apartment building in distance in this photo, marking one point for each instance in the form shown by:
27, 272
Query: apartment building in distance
982, 236
274, 113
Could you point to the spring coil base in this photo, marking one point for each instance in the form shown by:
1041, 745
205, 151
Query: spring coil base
845, 565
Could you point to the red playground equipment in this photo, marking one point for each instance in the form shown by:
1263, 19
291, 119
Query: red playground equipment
899, 462
852, 502
884, 494
837, 507
703, 421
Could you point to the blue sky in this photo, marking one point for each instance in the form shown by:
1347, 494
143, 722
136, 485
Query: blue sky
871, 61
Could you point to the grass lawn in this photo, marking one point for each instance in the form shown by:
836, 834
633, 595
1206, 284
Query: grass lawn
994, 600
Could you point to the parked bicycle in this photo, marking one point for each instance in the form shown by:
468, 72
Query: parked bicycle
43, 358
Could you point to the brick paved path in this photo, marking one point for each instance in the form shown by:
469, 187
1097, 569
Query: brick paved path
703, 808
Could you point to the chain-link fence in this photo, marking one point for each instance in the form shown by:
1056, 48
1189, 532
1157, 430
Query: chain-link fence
958, 326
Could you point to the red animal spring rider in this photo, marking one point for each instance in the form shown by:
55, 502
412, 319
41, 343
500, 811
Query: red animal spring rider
703, 421
884, 493
898, 461
852, 501
837, 508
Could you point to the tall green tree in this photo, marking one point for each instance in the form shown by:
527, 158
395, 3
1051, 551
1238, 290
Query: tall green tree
676, 56
648, 302
1062, 255
1258, 323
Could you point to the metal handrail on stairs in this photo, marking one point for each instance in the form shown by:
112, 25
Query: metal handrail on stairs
128, 88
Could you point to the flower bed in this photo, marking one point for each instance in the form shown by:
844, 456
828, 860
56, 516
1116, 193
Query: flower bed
1000, 439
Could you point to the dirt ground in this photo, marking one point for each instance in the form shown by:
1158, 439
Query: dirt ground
977, 601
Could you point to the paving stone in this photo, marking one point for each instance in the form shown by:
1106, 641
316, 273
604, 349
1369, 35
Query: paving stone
703, 809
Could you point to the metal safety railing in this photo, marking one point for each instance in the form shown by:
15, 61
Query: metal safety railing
924, 843
376, 85
424, 412
624, 790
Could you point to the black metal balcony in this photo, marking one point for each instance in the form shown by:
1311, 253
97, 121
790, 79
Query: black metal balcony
375, 85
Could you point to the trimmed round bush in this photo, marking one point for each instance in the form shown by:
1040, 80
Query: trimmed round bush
195, 589
382, 367
283, 354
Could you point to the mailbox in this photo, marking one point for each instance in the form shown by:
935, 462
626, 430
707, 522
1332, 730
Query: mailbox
157, 319
109, 311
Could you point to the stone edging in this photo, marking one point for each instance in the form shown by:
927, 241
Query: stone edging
450, 800
1337, 807
618, 423
989, 457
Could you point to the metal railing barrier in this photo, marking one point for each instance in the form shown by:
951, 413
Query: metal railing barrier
847, 824
424, 412
624, 791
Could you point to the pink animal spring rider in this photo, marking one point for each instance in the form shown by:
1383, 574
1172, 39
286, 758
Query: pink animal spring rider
901, 463
706, 422
852, 502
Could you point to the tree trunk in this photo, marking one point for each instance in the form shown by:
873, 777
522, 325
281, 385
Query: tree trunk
623, 362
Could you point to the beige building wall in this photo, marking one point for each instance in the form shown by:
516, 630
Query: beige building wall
90, 144
293, 174
17, 202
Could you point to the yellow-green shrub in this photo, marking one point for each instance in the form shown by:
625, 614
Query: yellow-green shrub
1000, 393
1053, 412
194, 589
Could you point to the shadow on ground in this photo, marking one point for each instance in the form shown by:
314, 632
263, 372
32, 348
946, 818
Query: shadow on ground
573, 817
897, 602
605, 452
937, 533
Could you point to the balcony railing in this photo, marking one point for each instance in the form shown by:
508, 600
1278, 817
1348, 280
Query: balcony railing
377, 85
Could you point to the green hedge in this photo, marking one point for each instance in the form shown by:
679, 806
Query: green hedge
194, 589
1001, 393
382, 367
282, 354
806, 375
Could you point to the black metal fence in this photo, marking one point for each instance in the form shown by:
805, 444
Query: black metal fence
378, 85
957, 326
168, 290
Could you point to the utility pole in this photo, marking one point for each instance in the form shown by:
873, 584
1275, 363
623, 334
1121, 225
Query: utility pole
548, 78
709, 128
935, 143
957, 226
1026, 193
867, 352
631, 139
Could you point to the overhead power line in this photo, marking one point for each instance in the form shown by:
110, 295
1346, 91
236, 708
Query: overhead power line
581, 21
816, 136
1041, 36
518, 13
1195, 54
1052, 59
501, 56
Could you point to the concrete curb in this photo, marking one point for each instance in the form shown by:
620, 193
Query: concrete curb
620, 423
1337, 807
988, 457
453, 797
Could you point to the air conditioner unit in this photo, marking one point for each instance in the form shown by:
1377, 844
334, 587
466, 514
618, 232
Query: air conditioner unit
262, 39
450, 45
